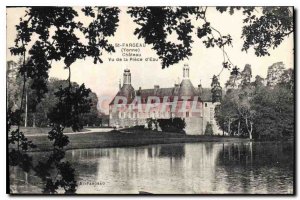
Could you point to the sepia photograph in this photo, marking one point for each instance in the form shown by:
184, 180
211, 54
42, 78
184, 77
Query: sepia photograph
152, 100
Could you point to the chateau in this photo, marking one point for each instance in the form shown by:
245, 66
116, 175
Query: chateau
132, 107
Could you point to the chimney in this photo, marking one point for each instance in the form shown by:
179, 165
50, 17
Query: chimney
186, 71
127, 77
139, 91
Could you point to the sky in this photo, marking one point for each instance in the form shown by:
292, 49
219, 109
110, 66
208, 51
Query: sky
103, 79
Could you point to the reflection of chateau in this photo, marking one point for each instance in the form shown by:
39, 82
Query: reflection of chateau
197, 103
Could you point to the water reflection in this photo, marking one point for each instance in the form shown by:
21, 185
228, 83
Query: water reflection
180, 168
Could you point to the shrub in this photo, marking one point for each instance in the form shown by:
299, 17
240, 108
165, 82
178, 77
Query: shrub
208, 129
172, 125
152, 123
139, 127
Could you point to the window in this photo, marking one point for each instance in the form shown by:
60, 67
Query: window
187, 114
205, 104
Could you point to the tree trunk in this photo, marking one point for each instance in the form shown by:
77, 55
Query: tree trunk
251, 128
229, 126
33, 120
223, 128
26, 108
239, 125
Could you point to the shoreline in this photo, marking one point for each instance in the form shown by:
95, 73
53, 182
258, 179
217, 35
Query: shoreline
118, 139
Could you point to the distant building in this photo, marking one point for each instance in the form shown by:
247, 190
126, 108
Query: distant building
132, 107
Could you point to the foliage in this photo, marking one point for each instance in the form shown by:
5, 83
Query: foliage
64, 175
172, 125
216, 89
208, 129
156, 26
63, 44
38, 111
157, 23
72, 103
18, 156
275, 113
267, 31
275, 72
264, 111
260, 31
152, 124
226, 112
264, 31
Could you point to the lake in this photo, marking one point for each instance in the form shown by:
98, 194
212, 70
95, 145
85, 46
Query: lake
192, 168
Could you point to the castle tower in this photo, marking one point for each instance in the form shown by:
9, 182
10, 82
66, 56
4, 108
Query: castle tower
127, 90
127, 77
186, 86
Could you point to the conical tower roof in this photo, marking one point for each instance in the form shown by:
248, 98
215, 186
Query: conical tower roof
187, 88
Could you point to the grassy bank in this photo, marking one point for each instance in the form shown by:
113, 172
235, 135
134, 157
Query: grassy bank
41, 130
120, 139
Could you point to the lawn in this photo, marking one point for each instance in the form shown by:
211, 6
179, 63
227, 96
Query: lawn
41, 130
128, 139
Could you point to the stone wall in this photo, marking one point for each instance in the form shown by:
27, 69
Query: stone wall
195, 122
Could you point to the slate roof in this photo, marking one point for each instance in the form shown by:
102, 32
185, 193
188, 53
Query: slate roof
205, 95
185, 88
171, 92
126, 91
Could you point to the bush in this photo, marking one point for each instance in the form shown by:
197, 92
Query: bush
208, 129
139, 127
152, 124
172, 125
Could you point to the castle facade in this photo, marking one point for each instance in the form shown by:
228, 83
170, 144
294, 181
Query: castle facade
131, 107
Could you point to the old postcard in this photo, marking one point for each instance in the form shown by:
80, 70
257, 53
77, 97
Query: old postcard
150, 100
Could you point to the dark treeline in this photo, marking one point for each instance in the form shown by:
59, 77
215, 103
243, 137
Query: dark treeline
262, 109
36, 113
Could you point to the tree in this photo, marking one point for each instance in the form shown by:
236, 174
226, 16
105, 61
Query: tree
260, 32
274, 113
236, 105
216, 89
259, 111
226, 113
156, 24
246, 76
208, 129
275, 71
287, 79
245, 94
13, 85
93, 117
62, 44
258, 82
